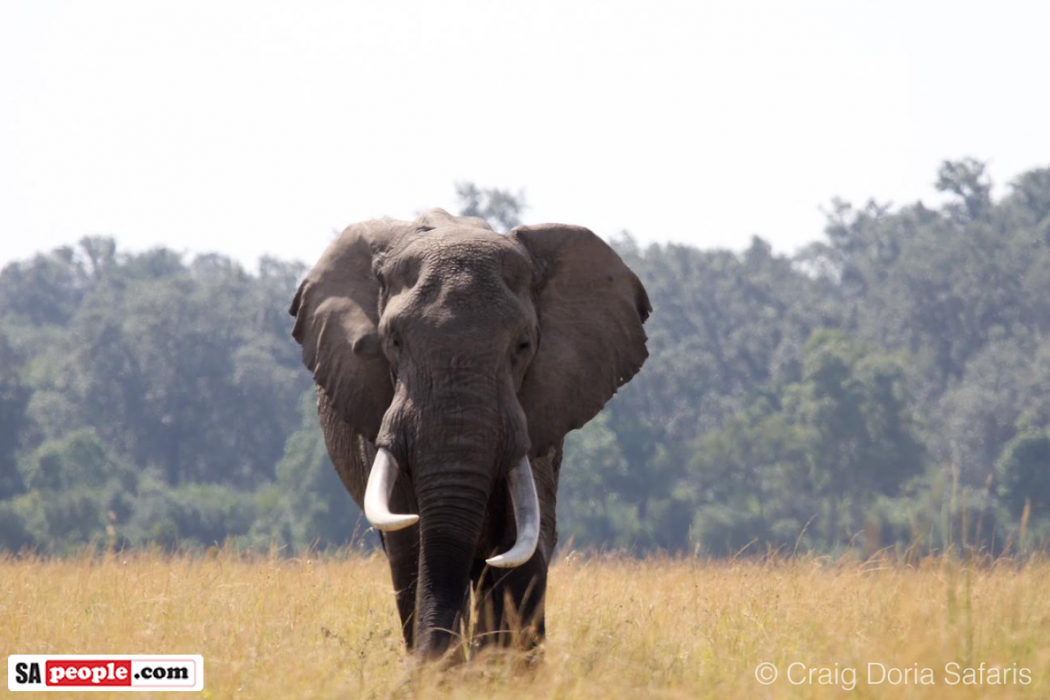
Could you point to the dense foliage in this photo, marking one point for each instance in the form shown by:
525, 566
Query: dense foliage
888, 386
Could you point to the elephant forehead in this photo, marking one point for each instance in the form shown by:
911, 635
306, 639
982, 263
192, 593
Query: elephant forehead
463, 240
460, 282
468, 252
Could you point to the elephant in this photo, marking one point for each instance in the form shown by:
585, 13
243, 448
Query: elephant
450, 361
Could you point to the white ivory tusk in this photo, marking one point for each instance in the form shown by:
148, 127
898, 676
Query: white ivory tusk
377, 495
526, 517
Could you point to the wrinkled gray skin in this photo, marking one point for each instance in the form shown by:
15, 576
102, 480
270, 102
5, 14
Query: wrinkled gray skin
460, 350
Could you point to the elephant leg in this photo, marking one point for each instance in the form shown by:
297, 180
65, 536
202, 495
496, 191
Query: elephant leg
402, 551
509, 604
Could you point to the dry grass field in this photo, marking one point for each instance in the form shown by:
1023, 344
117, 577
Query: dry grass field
325, 627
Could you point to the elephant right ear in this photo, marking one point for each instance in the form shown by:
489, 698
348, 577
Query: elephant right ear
336, 313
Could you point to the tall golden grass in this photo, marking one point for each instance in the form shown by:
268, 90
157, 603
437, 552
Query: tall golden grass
325, 627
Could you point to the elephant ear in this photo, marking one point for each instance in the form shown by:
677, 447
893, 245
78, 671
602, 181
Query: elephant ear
336, 313
591, 308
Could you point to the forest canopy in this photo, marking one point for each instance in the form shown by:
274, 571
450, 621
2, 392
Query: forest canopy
888, 386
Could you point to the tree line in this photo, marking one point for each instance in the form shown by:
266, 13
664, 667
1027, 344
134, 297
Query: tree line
887, 386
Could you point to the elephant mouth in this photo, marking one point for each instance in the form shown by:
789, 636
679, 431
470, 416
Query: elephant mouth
520, 484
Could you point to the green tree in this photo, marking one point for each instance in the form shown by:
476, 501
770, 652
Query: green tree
863, 440
1023, 473
14, 397
318, 510
820, 449
967, 180
501, 208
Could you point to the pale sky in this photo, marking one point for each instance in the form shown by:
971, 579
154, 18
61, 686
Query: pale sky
260, 127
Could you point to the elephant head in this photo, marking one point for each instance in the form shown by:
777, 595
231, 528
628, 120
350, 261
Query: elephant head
461, 353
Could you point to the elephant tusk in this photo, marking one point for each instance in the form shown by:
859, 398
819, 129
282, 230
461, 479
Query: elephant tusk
526, 517
377, 495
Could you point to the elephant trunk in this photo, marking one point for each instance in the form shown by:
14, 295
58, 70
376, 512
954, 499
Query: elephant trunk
445, 432
452, 500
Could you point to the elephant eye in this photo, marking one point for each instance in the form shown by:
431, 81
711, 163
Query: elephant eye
522, 351
394, 340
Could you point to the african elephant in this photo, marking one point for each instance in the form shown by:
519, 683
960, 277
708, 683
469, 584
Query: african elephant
450, 362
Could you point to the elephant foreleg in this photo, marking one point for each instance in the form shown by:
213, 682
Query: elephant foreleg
509, 605
402, 550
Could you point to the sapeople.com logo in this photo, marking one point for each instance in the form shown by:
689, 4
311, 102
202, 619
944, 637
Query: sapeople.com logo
104, 672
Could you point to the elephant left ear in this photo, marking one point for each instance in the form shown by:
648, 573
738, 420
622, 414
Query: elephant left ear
591, 308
